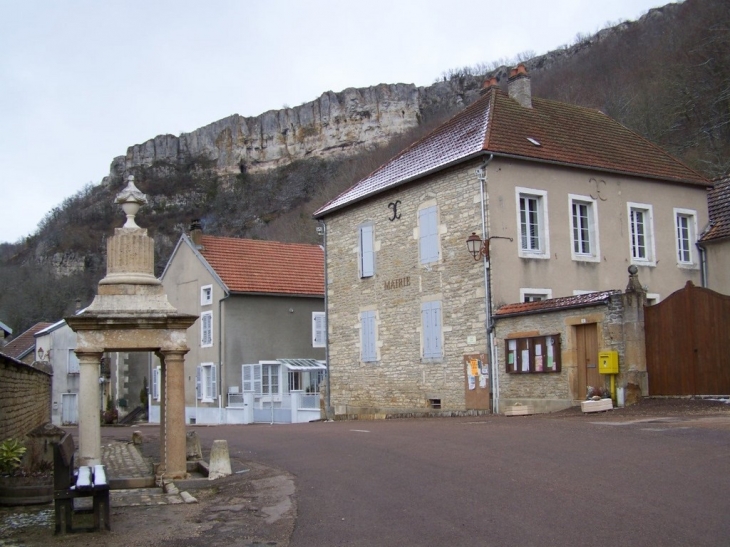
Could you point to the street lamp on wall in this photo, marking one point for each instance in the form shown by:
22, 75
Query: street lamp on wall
477, 247
480, 248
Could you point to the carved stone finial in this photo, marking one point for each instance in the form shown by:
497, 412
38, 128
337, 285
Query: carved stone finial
131, 199
634, 283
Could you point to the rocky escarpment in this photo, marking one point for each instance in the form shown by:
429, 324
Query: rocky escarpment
332, 124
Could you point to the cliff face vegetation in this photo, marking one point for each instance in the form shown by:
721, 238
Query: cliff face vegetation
666, 76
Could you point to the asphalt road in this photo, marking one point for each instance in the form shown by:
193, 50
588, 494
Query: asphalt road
498, 481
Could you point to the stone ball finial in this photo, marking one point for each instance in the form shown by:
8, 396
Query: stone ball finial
633, 270
131, 199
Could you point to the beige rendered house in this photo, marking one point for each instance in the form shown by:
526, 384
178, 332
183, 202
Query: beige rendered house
565, 199
260, 332
715, 241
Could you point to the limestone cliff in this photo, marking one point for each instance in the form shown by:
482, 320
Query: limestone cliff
332, 124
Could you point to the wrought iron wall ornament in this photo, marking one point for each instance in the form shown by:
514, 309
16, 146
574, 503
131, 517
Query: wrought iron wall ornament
598, 188
394, 205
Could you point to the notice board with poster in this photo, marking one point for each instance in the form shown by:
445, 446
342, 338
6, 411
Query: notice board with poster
476, 385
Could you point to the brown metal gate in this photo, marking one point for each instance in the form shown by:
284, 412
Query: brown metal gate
688, 343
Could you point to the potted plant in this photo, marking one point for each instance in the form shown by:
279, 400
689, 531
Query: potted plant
25, 476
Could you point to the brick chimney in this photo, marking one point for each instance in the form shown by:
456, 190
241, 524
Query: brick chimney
518, 86
196, 233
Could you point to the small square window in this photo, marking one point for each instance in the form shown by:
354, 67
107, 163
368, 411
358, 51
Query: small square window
206, 295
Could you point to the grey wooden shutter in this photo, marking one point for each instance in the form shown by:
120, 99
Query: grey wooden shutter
367, 253
431, 320
213, 382
198, 390
428, 234
367, 320
319, 329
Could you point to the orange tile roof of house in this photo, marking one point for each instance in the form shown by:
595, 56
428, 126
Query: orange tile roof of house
718, 204
497, 124
270, 267
555, 304
24, 343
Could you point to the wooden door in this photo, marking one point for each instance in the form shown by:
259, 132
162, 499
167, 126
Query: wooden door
586, 337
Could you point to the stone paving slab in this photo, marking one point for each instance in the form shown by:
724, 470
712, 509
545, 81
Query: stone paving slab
123, 460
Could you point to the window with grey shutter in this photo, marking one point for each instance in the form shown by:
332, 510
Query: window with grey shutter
431, 320
198, 379
367, 326
428, 234
319, 329
252, 378
367, 251
206, 329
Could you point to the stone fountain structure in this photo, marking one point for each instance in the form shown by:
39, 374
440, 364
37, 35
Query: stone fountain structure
131, 312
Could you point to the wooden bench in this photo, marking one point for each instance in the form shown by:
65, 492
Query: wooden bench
88, 481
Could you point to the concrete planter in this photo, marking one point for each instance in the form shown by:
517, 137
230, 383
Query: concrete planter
596, 406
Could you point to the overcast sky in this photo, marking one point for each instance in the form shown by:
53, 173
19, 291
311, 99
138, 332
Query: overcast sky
81, 80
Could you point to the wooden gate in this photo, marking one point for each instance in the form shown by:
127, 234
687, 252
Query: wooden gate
688, 343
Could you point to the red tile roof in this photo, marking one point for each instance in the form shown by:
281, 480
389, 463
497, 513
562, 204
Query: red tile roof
496, 124
718, 203
555, 304
22, 344
255, 266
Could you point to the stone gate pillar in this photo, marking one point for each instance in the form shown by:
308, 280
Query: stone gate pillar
89, 407
172, 419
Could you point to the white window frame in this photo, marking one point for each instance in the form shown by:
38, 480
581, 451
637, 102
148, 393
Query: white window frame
545, 294
648, 227
594, 253
155, 384
206, 329
432, 332
429, 248
206, 386
319, 329
206, 295
543, 237
653, 298
73, 362
366, 250
368, 336
691, 217
267, 377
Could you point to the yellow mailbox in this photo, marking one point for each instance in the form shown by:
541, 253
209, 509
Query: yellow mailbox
608, 362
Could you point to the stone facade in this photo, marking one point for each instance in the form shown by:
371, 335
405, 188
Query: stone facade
620, 328
26, 401
401, 380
